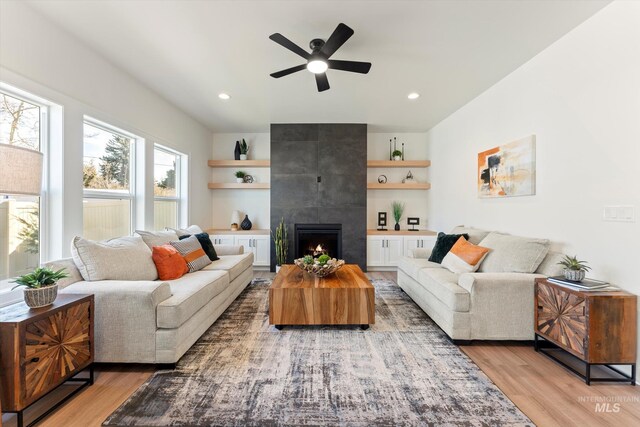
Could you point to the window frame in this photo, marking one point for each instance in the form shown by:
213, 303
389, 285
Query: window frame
179, 197
131, 194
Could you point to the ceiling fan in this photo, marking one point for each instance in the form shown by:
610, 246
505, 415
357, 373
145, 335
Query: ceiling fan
318, 60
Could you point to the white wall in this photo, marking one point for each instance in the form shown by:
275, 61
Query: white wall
39, 57
581, 98
415, 148
255, 203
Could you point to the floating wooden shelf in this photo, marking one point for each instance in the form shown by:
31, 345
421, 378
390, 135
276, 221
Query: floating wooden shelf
398, 163
237, 186
239, 163
399, 186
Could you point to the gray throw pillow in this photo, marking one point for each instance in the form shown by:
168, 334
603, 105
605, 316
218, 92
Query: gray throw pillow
513, 254
192, 252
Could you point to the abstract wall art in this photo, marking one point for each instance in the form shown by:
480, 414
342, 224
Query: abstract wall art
508, 170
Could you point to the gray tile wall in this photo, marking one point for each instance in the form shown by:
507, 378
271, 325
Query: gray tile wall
338, 154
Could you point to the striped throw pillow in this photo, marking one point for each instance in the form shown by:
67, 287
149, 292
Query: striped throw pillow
192, 252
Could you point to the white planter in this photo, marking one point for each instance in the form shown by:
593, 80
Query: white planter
239, 180
243, 157
397, 158
574, 275
277, 269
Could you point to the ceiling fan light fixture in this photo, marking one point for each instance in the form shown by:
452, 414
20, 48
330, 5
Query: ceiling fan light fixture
317, 66
224, 96
413, 95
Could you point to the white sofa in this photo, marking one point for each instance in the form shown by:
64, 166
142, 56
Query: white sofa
496, 303
158, 321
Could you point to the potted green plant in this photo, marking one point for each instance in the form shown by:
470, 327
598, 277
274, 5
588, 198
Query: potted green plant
244, 149
397, 155
41, 286
281, 243
574, 269
398, 210
240, 176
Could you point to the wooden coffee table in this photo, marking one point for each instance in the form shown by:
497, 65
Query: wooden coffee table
343, 298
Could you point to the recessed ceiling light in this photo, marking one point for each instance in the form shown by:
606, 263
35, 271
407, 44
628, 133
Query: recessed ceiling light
224, 96
413, 95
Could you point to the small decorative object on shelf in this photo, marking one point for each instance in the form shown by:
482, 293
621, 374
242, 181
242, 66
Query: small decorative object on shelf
574, 269
413, 222
235, 220
244, 149
409, 178
397, 155
281, 242
248, 179
246, 223
398, 210
41, 286
322, 266
240, 176
382, 221
382, 179
236, 152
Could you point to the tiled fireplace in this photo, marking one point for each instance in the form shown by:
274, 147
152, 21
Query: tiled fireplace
318, 239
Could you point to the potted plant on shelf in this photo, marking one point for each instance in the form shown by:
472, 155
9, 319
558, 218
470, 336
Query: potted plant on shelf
398, 210
281, 243
240, 176
41, 286
244, 149
574, 269
397, 155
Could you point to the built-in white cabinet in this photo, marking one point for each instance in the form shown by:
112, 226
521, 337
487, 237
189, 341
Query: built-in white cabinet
259, 244
386, 250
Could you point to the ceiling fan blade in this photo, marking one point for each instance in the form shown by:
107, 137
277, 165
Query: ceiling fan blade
288, 71
285, 42
340, 35
353, 66
322, 82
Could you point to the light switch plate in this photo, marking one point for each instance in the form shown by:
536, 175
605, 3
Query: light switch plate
619, 213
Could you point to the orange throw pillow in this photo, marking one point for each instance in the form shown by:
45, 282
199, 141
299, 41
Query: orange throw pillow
169, 263
464, 257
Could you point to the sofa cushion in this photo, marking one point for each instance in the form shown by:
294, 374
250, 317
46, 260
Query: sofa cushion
157, 238
188, 295
443, 245
443, 284
549, 265
192, 252
464, 257
412, 266
234, 264
69, 267
475, 234
513, 254
124, 258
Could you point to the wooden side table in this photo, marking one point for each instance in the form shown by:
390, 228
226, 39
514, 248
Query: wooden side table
597, 327
42, 348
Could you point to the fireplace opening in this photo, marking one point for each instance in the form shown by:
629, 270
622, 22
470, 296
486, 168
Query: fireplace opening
318, 239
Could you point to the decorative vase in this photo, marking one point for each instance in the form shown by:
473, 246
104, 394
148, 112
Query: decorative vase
277, 268
574, 275
396, 158
236, 152
246, 223
40, 297
240, 180
243, 157
396, 227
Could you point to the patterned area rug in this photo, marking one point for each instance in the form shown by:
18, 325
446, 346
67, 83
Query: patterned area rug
243, 372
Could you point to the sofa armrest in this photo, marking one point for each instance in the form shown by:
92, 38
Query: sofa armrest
419, 253
124, 318
222, 250
501, 304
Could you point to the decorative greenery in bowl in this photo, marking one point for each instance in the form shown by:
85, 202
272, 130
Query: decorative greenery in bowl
397, 155
574, 269
322, 266
244, 149
240, 176
41, 286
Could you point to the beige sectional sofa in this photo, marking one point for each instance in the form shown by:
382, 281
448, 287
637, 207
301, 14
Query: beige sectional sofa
495, 303
157, 321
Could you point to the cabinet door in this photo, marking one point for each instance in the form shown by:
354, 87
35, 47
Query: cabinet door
375, 251
394, 250
428, 242
262, 250
222, 239
246, 241
410, 243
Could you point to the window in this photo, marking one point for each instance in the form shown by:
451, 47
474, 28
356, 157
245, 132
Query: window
166, 187
108, 169
22, 123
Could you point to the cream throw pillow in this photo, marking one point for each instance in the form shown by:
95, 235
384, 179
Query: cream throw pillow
157, 238
124, 258
513, 254
192, 229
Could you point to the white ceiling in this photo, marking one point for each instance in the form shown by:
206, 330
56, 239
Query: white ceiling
189, 51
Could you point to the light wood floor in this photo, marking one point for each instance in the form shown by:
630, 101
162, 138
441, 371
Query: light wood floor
542, 389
